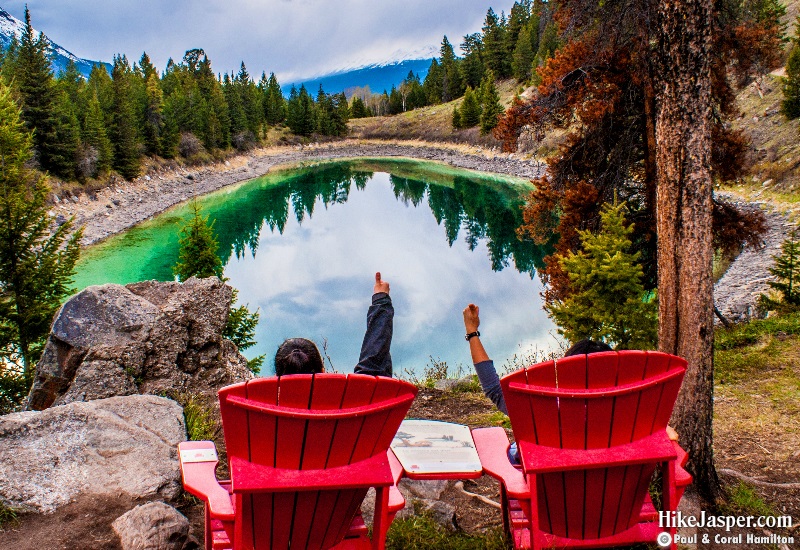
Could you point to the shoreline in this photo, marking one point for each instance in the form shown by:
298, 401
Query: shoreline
124, 204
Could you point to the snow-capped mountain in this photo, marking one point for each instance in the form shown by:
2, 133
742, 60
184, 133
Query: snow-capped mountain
379, 76
11, 27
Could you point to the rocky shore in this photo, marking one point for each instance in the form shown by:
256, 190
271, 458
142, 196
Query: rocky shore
124, 204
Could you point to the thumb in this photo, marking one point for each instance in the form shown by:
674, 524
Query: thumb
377, 277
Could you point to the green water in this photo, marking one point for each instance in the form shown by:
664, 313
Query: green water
303, 244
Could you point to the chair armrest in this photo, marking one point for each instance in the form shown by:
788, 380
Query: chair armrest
541, 459
492, 445
396, 499
250, 477
198, 461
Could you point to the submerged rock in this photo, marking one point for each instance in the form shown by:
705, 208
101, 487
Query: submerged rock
121, 445
147, 338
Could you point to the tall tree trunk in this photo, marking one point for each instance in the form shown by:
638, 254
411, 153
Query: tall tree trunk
683, 211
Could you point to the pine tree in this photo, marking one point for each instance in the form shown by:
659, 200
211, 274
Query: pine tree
124, 132
274, 103
153, 115
433, 83
608, 302
470, 109
94, 135
198, 249
66, 138
472, 64
34, 80
359, 108
198, 257
494, 45
491, 109
522, 60
452, 84
787, 277
456, 120
36, 265
790, 106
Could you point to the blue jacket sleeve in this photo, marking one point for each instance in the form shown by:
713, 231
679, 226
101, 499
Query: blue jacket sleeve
490, 383
375, 358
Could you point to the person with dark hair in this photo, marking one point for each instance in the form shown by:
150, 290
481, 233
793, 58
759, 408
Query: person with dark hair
301, 356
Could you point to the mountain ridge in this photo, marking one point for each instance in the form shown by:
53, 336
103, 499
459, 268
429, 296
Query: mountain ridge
11, 27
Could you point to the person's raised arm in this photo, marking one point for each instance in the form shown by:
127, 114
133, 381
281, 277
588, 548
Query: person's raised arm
484, 366
375, 358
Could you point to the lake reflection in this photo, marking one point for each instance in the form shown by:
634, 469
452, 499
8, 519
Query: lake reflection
303, 246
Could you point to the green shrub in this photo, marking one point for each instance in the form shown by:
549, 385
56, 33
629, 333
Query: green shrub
200, 422
421, 532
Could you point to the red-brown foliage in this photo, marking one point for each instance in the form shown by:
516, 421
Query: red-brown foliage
599, 86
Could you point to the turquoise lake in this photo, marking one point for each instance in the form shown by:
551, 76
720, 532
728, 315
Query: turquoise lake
302, 245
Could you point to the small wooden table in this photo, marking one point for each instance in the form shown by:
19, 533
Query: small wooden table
429, 449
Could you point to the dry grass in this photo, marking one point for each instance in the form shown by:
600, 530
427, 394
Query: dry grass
430, 124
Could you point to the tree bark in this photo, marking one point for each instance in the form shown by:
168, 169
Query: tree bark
683, 212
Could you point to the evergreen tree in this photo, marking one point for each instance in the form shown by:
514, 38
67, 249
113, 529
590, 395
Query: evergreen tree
124, 132
472, 64
198, 249
491, 109
470, 109
522, 60
94, 136
787, 276
274, 103
433, 83
300, 117
452, 85
790, 106
34, 80
359, 108
495, 57
395, 102
608, 302
153, 116
66, 138
456, 120
36, 265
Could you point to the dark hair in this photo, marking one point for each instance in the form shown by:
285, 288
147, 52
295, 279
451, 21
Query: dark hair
586, 346
298, 356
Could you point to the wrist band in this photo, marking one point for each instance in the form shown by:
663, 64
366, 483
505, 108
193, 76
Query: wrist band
471, 334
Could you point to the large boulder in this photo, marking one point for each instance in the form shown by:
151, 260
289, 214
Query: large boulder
121, 445
149, 337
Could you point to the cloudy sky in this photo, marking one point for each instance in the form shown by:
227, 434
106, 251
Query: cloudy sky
293, 38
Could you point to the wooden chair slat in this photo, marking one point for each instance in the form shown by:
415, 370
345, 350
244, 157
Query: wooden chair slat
575, 491
262, 430
603, 370
599, 413
319, 439
571, 372
595, 491
614, 480
632, 365
556, 502
236, 440
572, 420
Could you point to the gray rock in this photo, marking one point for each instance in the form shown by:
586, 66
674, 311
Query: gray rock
121, 445
153, 526
449, 384
148, 337
423, 488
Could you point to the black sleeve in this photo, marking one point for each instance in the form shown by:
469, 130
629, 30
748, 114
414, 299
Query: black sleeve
375, 358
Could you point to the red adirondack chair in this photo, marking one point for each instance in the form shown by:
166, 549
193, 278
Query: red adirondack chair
302, 451
591, 430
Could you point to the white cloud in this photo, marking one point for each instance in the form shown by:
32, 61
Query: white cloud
294, 38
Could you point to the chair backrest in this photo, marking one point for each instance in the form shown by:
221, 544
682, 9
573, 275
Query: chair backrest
307, 422
593, 401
